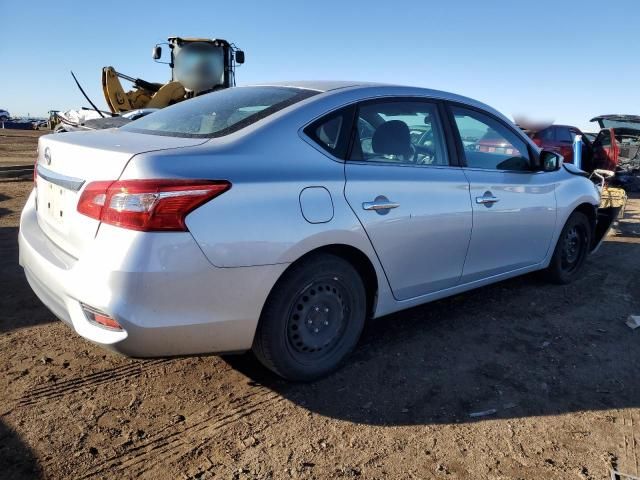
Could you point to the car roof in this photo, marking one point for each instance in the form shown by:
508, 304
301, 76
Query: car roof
318, 85
333, 86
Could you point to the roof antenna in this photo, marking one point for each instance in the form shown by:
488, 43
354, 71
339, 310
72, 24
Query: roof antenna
85, 95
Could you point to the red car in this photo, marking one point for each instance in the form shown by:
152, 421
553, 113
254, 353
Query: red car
559, 138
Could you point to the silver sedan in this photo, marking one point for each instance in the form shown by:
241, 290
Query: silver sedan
280, 217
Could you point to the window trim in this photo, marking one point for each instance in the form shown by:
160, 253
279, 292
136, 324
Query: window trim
534, 157
452, 156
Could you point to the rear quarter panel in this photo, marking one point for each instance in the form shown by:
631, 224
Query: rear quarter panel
259, 221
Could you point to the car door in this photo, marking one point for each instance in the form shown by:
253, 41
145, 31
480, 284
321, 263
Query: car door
409, 196
514, 208
606, 151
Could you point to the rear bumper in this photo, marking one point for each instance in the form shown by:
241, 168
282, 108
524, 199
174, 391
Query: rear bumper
159, 286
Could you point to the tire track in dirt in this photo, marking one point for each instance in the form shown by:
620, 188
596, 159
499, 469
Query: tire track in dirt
67, 387
186, 437
172, 454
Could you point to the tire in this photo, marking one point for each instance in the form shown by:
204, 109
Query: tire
571, 250
312, 319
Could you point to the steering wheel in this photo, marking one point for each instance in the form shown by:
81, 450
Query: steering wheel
413, 156
421, 154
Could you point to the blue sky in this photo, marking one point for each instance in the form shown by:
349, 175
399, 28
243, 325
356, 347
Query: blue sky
562, 60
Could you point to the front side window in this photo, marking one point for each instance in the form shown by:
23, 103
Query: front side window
489, 144
219, 113
403, 132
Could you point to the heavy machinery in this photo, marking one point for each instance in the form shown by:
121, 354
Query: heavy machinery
198, 65
53, 120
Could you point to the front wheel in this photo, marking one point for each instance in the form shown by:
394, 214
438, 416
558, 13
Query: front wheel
312, 319
571, 250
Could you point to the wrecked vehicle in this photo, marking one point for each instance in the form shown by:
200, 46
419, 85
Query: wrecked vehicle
617, 148
85, 119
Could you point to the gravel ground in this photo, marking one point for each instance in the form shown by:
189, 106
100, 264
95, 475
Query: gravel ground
552, 371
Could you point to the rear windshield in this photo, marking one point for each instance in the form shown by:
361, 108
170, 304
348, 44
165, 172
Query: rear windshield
219, 113
620, 124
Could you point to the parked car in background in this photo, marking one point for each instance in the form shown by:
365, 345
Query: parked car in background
4, 115
279, 218
559, 138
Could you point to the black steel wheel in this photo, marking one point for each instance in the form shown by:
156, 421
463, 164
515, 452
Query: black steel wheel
318, 317
312, 319
571, 250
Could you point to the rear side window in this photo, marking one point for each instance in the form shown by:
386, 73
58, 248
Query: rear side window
489, 144
219, 113
332, 132
563, 135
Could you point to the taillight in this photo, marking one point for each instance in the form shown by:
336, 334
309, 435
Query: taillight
147, 205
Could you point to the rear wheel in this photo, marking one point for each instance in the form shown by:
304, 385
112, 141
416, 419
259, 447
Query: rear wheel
312, 319
571, 250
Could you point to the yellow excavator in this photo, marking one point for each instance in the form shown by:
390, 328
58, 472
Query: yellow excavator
198, 65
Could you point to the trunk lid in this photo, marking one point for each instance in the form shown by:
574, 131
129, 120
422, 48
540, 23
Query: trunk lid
67, 162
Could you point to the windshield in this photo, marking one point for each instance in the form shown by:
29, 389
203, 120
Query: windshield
219, 113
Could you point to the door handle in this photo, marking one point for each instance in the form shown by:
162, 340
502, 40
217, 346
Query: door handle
380, 204
487, 200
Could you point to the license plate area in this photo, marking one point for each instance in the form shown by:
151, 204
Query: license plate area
52, 202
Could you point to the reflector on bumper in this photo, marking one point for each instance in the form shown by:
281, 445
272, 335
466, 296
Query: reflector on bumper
99, 318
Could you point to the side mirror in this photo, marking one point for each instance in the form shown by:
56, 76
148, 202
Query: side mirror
157, 52
239, 56
550, 161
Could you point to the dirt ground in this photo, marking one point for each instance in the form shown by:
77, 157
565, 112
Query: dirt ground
558, 365
18, 147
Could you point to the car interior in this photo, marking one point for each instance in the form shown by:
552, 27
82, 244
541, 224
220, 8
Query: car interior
399, 132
